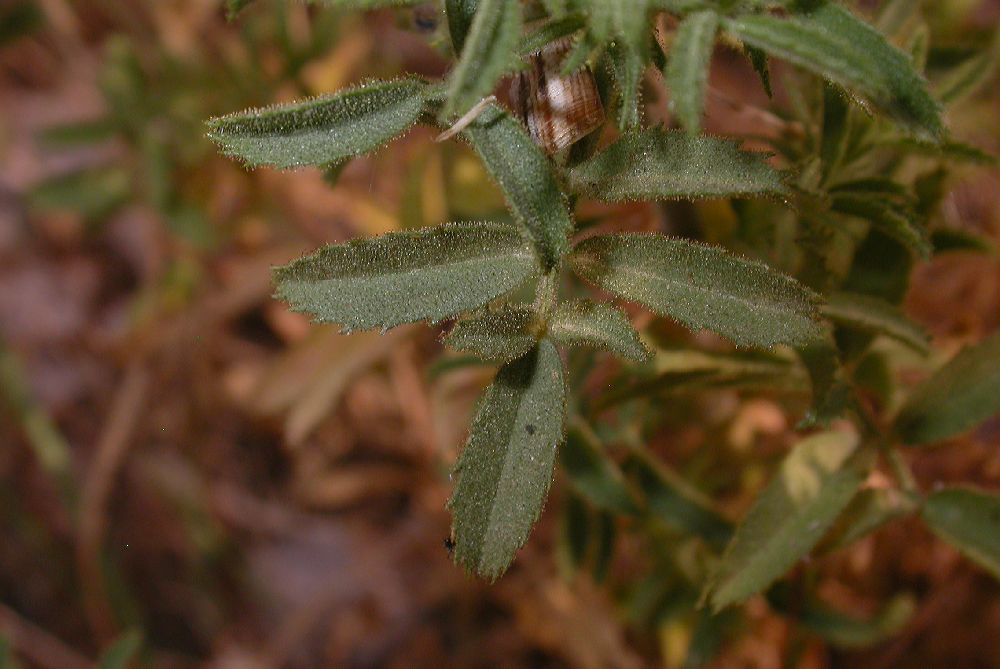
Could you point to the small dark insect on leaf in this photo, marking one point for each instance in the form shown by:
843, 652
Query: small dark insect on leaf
530, 429
449, 545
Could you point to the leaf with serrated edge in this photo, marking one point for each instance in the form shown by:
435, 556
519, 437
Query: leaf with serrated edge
969, 520
962, 394
655, 164
403, 277
526, 178
587, 323
701, 286
833, 43
815, 482
322, 130
486, 54
876, 315
505, 469
687, 69
502, 335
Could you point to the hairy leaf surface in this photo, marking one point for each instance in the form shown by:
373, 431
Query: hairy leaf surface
486, 54
526, 178
322, 130
688, 67
655, 164
505, 470
833, 43
402, 277
502, 335
702, 287
587, 323
460, 14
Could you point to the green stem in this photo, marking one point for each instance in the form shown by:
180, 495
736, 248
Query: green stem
546, 295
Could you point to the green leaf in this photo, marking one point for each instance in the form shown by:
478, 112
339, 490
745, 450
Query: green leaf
502, 335
94, 193
885, 216
460, 14
575, 532
830, 393
525, 175
234, 7
833, 43
869, 510
409, 276
962, 394
594, 475
702, 287
627, 66
948, 150
969, 520
876, 316
505, 470
971, 75
814, 484
322, 130
19, 19
688, 67
655, 164
486, 55
671, 500
121, 652
366, 4
550, 32
836, 129
758, 60
587, 323
842, 630
7, 659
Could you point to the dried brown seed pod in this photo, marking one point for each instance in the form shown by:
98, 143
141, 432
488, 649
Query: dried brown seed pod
558, 109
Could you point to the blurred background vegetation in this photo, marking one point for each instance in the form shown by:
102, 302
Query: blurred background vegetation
190, 470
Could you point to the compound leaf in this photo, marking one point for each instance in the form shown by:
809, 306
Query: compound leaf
505, 470
655, 164
701, 286
322, 130
408, 276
